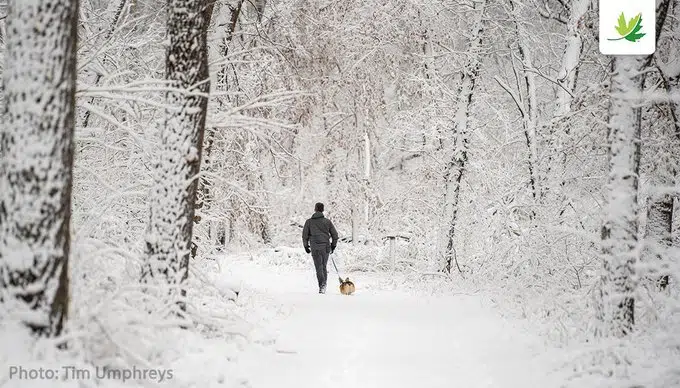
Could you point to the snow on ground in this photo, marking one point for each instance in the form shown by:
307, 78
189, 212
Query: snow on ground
379, 338
393, 332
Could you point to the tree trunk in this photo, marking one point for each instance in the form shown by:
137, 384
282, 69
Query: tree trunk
619, 232
456, 166
526, 88
572, 57
367, 177
265, 231
222, 85
658, 233
567, 77
354, 224
670, 71
661, 209
173, 194
616, 304
673, 86
36, 160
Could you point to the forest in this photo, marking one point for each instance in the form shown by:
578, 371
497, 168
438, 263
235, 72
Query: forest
159, 158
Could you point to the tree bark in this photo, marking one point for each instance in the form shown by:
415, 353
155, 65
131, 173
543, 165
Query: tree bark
567, 77
571, 59
173, 194
619, 232
616, 304
658, 233
526, 89
205, 185
36, 161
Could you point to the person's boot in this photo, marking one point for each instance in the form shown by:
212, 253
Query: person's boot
322, 289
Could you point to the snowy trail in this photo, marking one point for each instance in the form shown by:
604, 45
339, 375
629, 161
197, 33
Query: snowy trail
378, 338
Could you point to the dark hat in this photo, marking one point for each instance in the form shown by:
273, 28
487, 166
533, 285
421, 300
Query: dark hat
318, 207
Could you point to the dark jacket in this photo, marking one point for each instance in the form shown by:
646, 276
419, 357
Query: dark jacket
317, 232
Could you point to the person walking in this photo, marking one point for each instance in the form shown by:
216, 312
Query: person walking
319, 238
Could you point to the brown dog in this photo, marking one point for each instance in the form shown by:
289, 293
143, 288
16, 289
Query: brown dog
346, 287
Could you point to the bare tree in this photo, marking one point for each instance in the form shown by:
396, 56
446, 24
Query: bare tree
222, 81
619, 232
567, 77
175, 180
569, 68
616, 308
525, 97
36, 160
658, 232
119, 7
461, 131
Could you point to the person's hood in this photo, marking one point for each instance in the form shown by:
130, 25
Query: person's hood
317, 215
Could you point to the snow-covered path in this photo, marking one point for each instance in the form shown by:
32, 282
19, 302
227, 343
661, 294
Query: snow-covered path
378, 338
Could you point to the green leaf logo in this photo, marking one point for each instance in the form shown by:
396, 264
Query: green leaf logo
630, 30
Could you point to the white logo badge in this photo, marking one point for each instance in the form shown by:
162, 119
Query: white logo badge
627, 27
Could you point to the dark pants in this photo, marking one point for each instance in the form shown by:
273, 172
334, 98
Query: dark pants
320, 257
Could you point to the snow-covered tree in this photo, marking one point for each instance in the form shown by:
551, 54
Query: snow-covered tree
619, 232
175, 177
460, 134
666, 162
36, 160
620, 254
